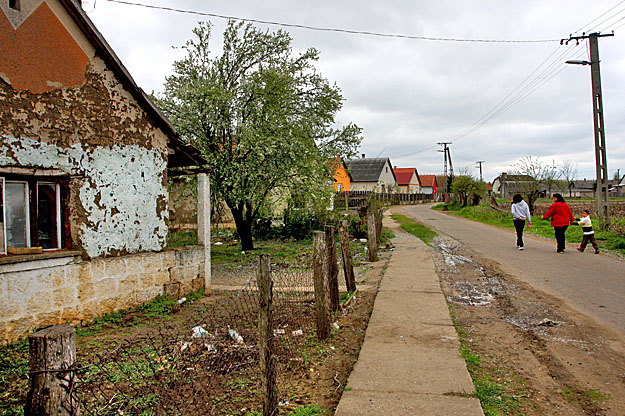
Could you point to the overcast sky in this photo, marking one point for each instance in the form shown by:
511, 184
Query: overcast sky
410, 94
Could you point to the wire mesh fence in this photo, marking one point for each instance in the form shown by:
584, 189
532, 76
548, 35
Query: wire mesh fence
208, 364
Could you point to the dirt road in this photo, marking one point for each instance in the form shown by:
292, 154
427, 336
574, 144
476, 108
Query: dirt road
592, 284
532, 323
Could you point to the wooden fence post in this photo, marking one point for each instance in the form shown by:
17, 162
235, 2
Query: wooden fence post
372, 238
333, 268
320, 275
378, 224
348, 264
52, 371
265, 336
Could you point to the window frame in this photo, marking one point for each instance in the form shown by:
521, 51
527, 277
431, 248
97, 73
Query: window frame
61, 185
27, 209
59, 219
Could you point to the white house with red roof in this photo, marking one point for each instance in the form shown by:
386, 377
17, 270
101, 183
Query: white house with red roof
407, 180
429, 185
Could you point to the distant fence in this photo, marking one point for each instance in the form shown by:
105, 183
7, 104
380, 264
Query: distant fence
357, 199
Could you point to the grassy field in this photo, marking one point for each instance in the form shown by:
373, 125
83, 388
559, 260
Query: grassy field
484, 213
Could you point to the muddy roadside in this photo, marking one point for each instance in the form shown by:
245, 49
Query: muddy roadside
547, 358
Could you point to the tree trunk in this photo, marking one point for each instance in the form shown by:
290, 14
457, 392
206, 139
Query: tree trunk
244, 228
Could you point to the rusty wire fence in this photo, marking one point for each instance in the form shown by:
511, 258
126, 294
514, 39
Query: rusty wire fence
208, 364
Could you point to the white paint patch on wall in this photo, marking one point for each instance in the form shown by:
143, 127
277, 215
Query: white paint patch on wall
120, 193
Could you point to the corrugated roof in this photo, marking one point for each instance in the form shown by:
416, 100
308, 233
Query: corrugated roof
366, 169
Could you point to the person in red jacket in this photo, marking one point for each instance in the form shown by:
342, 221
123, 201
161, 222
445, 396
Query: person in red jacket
561, 217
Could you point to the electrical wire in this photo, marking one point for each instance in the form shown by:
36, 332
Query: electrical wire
335, 30
599, 17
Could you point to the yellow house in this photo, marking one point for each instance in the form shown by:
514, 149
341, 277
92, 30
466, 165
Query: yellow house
342, 178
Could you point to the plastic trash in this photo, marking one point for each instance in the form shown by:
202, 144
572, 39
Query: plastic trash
199, 332
298, 332
181, 301
335, 325
218, 243
278, 332
235, 336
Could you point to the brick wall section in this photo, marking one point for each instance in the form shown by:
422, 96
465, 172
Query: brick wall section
70, 289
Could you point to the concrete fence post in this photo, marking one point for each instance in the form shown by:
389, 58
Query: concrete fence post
204, 225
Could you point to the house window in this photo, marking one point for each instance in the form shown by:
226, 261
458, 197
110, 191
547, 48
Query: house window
31, 214
15, 4
49, 215
339, 187
16, 214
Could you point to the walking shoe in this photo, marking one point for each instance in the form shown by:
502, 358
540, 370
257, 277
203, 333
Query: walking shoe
521, 248
596, 251
559, 251
580, 250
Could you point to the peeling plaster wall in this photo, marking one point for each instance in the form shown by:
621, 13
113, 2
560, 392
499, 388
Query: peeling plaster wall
110, 147
120, 192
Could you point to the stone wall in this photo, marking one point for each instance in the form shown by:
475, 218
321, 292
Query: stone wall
72, 290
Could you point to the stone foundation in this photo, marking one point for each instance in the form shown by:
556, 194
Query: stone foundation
72, 290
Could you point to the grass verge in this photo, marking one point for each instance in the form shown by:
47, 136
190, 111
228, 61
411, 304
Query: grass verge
494, 396
415, 228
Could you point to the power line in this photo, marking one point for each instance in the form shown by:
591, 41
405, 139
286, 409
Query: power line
599, 17
335, 30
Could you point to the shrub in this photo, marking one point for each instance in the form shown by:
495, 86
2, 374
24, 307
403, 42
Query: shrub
299, 224
357, 226
262, 229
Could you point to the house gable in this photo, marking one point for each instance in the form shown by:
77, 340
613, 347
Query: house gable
53, 58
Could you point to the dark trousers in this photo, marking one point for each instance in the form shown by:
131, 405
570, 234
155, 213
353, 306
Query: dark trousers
586, 239
560, 237
519, 225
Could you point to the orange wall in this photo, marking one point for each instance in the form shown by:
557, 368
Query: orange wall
341, 176
40, 55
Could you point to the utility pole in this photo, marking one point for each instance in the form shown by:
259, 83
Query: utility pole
479, 162
447, 154
601, 161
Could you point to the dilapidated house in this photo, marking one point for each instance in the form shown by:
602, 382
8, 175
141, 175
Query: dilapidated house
84, 155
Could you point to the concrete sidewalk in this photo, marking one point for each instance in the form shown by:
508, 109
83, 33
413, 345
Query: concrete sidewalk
410, 362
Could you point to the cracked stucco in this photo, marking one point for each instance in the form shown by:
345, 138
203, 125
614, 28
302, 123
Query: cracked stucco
119, 193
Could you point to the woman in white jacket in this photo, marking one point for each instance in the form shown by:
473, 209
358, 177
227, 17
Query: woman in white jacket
520, 214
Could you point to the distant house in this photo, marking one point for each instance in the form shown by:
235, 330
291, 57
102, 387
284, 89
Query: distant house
342, 178
84, 159
505, 185
374, 174
586, 188
408, 180
429, 185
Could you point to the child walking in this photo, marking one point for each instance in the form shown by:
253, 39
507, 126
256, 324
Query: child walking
589, 234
